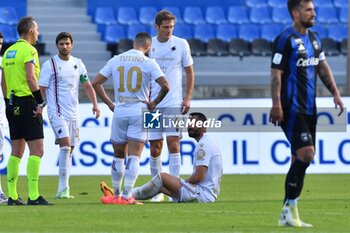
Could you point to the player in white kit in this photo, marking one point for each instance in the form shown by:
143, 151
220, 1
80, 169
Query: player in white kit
59, 81
132, 74
204, 183
3, 198
173, 56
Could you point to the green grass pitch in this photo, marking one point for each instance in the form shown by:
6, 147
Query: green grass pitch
247, 203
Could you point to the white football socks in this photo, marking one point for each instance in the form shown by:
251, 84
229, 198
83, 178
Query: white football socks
117, 172
155, 165
174, 164
131, 174
64, 162
149, 189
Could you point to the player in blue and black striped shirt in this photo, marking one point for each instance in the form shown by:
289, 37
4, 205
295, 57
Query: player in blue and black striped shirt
296, 61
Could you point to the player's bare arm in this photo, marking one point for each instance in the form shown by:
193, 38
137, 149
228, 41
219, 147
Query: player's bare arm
327, 78
276, 112
164, 89
92, 97
97, 84
185, 106
43, 91
198, 175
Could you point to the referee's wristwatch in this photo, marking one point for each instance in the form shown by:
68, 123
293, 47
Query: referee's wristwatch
43, 104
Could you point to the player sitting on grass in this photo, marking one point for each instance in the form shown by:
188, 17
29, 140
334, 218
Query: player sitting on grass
204, 183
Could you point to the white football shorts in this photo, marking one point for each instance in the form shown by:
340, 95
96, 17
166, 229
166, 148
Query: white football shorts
168, 114
127, 128
65, 128
194, 193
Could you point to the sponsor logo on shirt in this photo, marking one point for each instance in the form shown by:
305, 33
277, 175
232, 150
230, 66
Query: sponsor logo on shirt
11, 54
312, 61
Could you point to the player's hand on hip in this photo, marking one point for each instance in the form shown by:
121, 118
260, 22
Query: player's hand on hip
276, 116
111, 107
150, 105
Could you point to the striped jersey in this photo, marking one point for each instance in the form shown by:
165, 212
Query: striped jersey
62, 79
298, 56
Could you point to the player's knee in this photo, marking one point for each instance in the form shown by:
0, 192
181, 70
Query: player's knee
174, 146
156, 148
309, 156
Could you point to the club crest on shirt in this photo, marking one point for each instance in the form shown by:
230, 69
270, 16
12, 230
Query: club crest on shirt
173, 48
75, 67
200, 154
315, 43
153, 49
305, 137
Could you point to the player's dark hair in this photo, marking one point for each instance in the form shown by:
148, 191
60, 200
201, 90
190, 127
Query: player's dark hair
24, 25
1, 36
143, 39
64, 35
293, 4
164, 15
200, 116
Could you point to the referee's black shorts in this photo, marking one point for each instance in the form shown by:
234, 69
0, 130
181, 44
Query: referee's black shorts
22, 122
300, 130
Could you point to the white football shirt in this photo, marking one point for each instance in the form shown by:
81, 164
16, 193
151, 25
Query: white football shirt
62, 81
171, 56
132, 73
207, 153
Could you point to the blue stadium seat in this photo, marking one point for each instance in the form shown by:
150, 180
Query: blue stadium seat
323, 3
114, 33
127, 16
133, 29
277, 3
340, 3
338, 32
343, 14
248, 32
104, 15
255, 3
226, 32
260, 15
238, 15
147, 15
153, 31
204, 32
193, 15
320, 29
175, 11
8, 33
8, 15
327, 14
270, 31
215, 15
281, 15
183, 30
